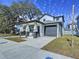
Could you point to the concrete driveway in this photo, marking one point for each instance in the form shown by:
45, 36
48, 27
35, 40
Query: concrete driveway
13, 50
38, 42
27, 52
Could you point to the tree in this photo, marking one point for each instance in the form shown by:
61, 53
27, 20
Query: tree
4, 17
9, 15
25, 7
22, 8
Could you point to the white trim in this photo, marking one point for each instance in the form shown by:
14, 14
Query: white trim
57, 30
49, 24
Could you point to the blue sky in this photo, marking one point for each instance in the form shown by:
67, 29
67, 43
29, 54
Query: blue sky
53, 7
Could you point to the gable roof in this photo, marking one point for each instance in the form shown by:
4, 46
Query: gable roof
32, 21
38, 20
54, 16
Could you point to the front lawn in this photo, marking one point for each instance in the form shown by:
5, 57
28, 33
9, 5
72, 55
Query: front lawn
16, 39
7, 35
63, 46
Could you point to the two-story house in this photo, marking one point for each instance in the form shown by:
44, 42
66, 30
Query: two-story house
47, 25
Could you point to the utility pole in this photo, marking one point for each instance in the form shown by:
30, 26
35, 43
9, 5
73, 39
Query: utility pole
49, 6
73, 18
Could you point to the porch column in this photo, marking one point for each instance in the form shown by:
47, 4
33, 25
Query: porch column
35, 28
41, 30
27, 30
62, 29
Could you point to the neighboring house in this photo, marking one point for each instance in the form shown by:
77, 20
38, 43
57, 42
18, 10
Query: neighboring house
69, 26
69, 30
46, 26
77, 26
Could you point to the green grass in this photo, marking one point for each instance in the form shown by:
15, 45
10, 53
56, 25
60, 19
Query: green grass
7, 34
16, 39
62, 46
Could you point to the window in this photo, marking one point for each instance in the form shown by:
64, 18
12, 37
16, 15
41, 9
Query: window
57, 18
31, 28
43, 19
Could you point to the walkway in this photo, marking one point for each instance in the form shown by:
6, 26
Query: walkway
4, 44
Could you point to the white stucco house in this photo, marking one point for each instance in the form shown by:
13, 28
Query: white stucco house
71, 28
45, 26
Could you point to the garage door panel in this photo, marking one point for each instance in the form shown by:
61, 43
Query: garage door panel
50, 30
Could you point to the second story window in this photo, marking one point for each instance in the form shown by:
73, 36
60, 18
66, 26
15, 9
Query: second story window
44, 20
57, 19
54, 19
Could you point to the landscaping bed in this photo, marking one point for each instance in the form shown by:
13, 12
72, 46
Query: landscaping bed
16, 39
64, 46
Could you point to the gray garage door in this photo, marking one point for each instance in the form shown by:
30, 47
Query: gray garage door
50, 30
